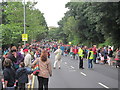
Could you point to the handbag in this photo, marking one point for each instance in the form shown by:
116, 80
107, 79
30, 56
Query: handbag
36, 69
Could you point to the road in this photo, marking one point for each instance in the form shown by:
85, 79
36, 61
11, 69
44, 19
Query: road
69, 76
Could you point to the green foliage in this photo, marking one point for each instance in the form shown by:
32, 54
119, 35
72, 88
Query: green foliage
106, 43
91, 23
13, 22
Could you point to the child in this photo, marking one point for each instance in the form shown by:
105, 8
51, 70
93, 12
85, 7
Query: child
22, 76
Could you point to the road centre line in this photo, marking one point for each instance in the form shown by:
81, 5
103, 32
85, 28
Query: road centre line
72, 67
103, 85
65, 62
83, 74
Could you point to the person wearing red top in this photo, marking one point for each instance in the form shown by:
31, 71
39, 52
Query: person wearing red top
94, 49
75, 51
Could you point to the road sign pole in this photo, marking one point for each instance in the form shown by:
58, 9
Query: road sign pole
24, 23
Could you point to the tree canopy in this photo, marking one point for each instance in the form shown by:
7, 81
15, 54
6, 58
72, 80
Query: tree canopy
91, 23
85, 23
13, 22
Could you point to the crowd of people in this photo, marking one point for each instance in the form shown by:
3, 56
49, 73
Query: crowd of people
17, 62
104, 55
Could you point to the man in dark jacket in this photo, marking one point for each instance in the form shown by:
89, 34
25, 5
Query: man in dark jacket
11, 56
8, 73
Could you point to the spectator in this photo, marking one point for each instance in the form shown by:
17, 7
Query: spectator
16, 57
63, 49
22, 76
75, 52
95, 53
105, 55
28, 63
5, 51
71, 51
117, 57
9, 73
110, 54
45, 70
12, 56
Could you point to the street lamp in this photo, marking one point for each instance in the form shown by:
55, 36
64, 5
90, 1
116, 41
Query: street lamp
24, 24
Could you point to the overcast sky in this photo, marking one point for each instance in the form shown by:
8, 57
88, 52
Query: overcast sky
53, 10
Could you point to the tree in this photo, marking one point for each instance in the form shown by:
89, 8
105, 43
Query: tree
92, 22
13, 25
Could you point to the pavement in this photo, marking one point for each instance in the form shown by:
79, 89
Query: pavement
70, 76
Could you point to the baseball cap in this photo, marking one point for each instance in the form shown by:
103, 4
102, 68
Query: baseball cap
25, 50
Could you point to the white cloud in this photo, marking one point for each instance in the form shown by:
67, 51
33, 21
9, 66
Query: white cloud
53, 10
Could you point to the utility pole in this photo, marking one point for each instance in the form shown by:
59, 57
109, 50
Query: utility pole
24, 23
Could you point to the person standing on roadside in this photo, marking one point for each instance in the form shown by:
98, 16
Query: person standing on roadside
63, 49
94, 49
45, 70
110, 54
81, 55
8, 73
117, 57
22, 76
75, 52
16, 57
28, 63
58, 54
90, 58
71, 52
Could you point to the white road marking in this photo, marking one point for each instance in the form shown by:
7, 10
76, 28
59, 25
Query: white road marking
72, 67
65, 62
103, 85
83, 74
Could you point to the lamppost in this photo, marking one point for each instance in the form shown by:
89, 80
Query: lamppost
24, 23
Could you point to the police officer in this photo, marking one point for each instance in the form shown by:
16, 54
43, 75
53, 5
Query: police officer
81, 55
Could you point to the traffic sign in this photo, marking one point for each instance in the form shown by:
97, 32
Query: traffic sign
70, 43
24, 37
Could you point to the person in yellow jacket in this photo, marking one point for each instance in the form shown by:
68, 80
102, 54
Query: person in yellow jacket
81, 55
90, 58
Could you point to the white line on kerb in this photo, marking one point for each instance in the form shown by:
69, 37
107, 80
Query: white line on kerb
103, 85
72, 67
83, 74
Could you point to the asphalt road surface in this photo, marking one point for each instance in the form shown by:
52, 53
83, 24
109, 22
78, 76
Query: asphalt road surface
69, 76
